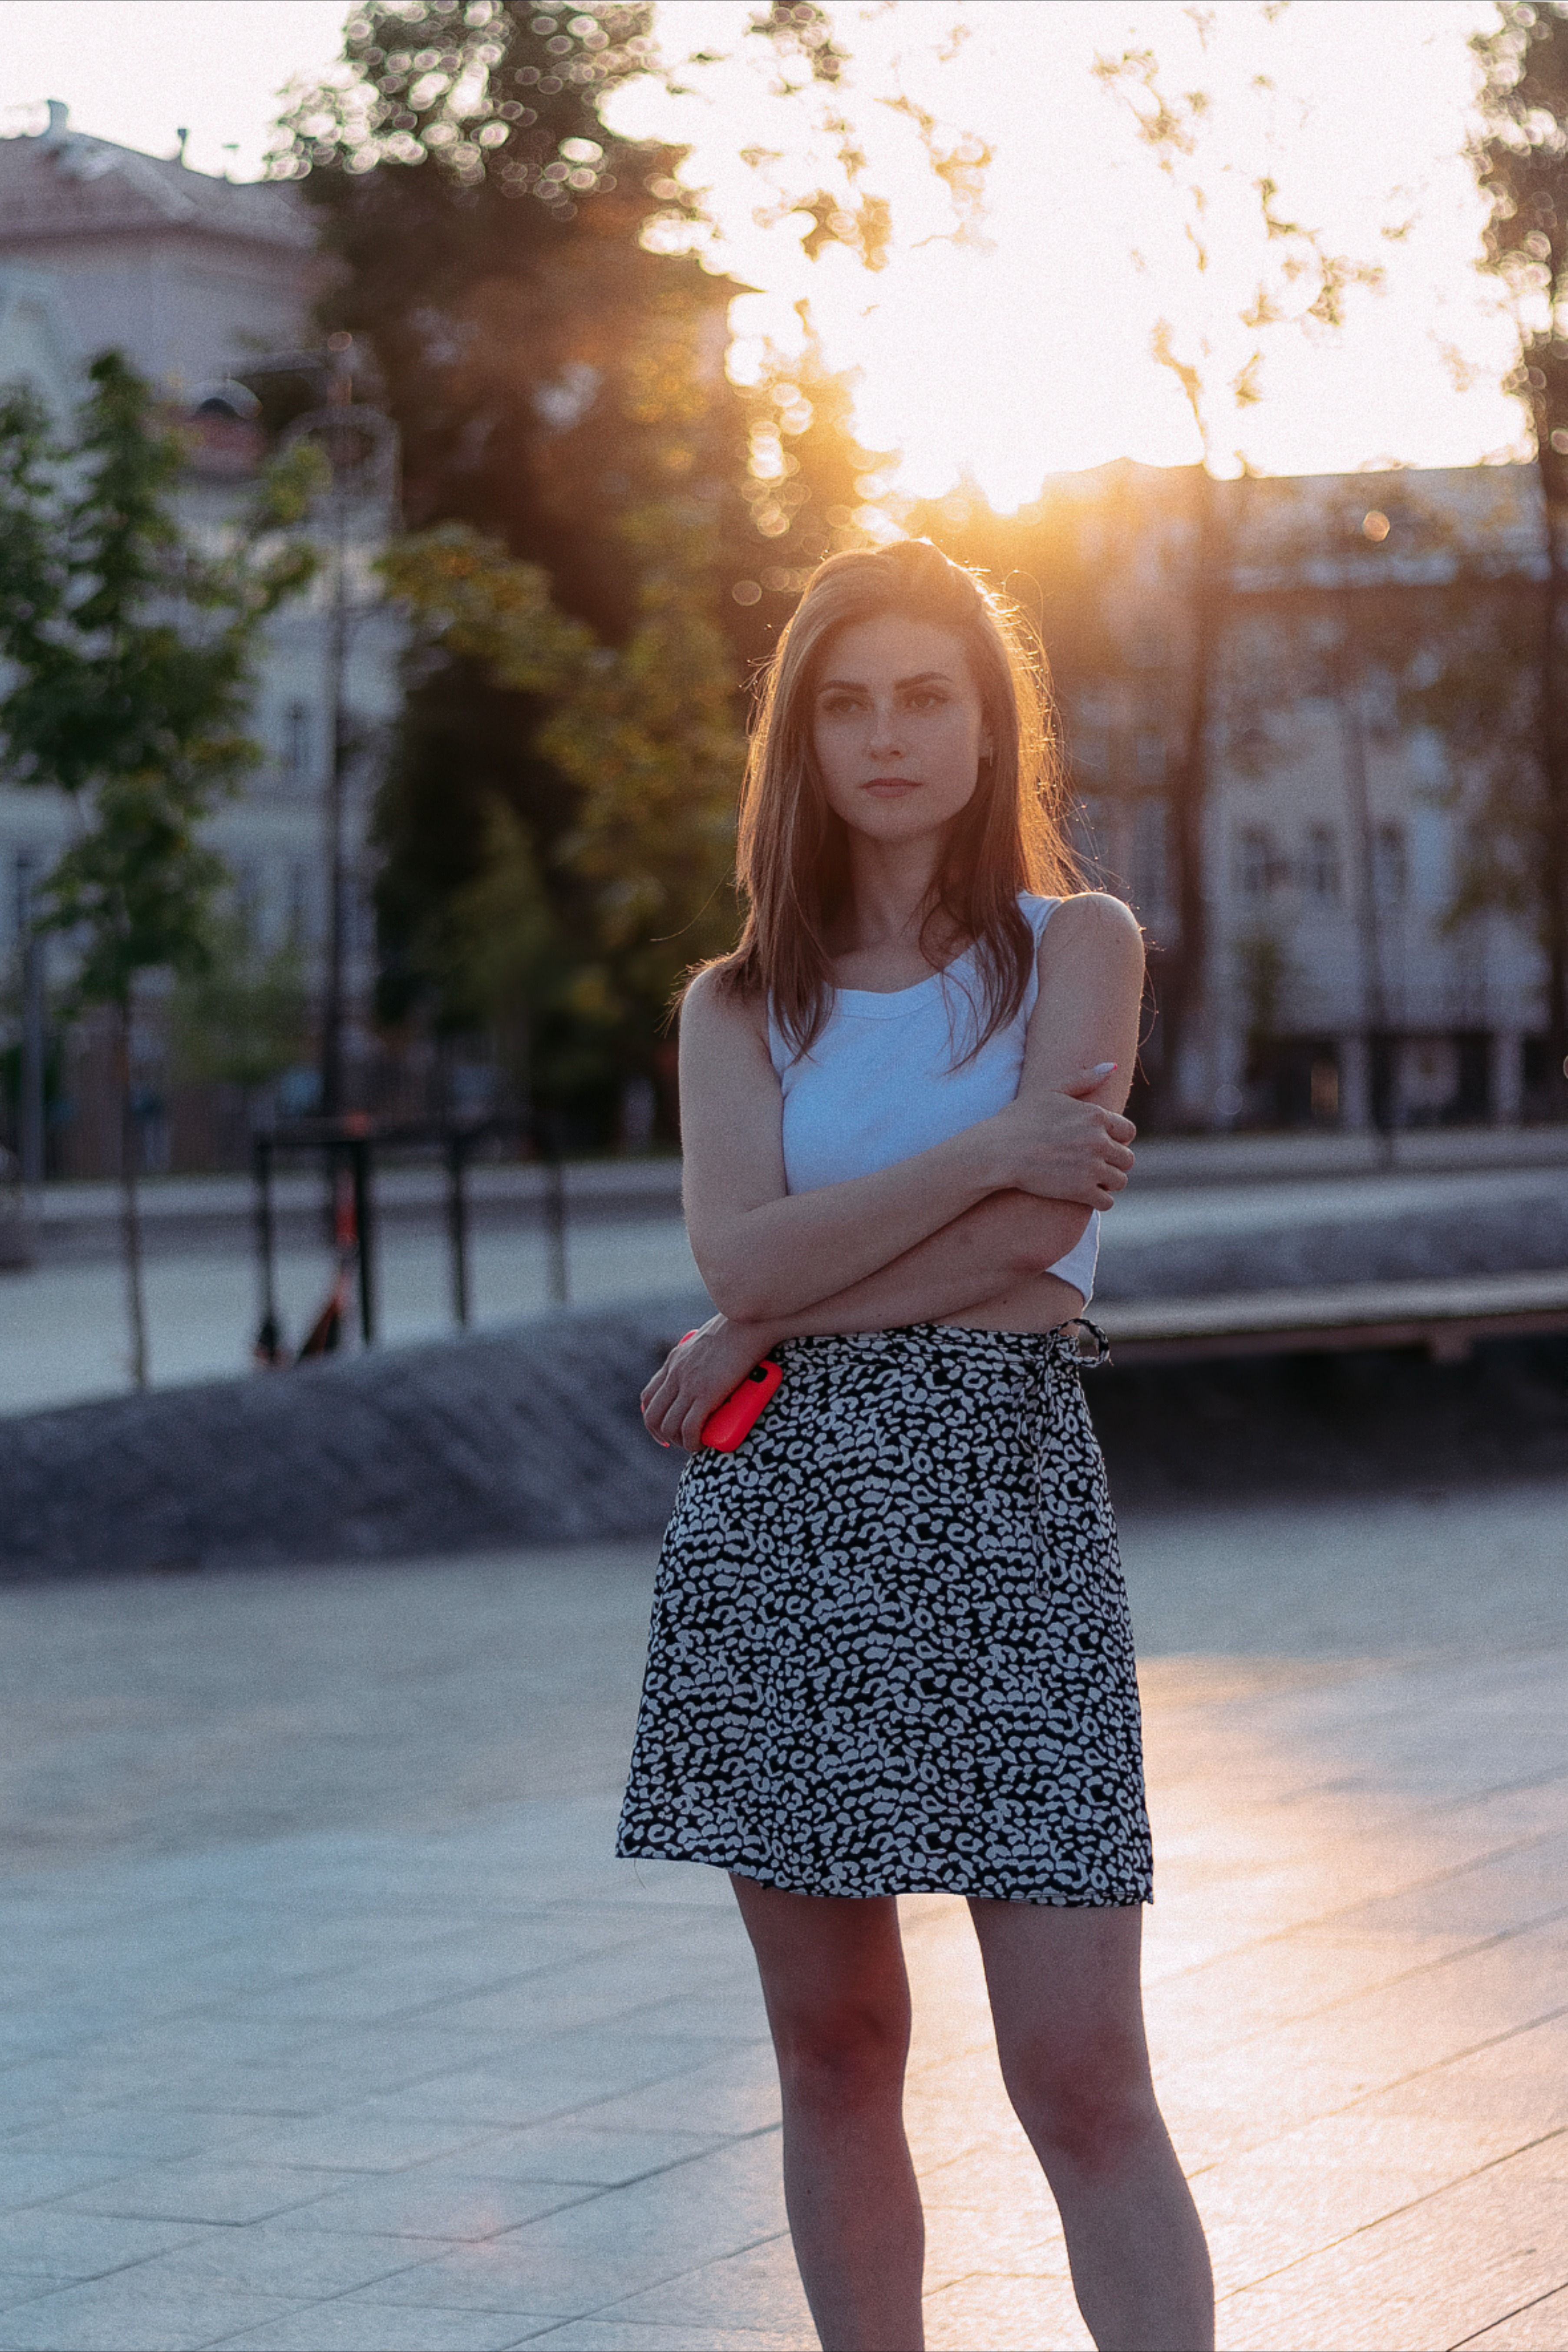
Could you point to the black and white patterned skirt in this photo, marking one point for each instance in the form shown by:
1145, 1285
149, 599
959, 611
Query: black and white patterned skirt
891, 1649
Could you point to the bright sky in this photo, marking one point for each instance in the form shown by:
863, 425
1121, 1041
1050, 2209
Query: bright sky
1028, 354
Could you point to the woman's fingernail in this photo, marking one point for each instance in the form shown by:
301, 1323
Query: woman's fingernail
1103, 1069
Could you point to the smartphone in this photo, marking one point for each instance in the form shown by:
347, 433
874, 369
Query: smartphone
729, 1422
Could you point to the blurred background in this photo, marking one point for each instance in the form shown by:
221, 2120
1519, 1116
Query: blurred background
379, 620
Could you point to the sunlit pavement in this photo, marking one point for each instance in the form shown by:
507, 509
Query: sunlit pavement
331, 2023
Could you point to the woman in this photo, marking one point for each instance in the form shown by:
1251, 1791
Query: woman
890, 1647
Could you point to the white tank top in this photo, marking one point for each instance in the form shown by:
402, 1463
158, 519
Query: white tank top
879, 1084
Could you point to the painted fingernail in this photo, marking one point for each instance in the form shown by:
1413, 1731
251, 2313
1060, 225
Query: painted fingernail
1103, 1069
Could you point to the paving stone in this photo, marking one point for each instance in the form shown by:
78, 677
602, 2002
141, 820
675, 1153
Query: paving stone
577, 2152
208, 2191
642, 2336
360, 2139
36, 2179
623, 2241
1539, 2327
267, 2258
82, 2245
458, 2207
1004, 2314
25, 2286
757, 2289
112, 2316
354, 2323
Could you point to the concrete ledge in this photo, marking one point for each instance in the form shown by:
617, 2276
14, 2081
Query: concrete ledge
531, 1434
1445, 1317
1210, 1243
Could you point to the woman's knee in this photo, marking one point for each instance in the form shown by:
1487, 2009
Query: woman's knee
1090, 2110
839, 2054
837, 1996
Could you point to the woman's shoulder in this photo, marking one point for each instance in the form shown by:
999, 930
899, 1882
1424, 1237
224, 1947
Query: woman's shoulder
1096, 916
717, 999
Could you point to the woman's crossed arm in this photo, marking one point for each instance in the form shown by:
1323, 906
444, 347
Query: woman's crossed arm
939, 1241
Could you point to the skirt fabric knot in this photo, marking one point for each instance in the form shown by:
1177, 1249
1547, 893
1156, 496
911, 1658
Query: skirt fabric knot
890, 1649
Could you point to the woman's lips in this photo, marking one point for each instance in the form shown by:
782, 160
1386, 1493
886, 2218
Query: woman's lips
888, 787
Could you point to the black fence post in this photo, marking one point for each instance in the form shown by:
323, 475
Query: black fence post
458, 1222
358, 1149
268, 1347
548, 1139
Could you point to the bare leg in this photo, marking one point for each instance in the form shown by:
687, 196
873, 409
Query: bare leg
838, 2004
1066, 1998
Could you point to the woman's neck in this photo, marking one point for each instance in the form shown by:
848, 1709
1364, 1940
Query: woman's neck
878, 939
890, 886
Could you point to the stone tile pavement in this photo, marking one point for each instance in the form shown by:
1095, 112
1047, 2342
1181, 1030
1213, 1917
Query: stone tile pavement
329, 2020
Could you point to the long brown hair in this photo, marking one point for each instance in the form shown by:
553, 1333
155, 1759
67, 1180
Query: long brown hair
792, 857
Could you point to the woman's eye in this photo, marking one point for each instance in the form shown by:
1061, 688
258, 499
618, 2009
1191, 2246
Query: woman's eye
926, 701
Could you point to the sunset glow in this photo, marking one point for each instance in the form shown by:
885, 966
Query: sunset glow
1022, 350
1026, 351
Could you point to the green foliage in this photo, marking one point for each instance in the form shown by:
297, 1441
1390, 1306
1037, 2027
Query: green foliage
240, 1012
137, 888
128, 645
648, 737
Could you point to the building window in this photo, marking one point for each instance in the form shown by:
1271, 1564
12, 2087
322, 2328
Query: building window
1321, 866
1256, 867
1149, 855
300, 924
247, 898
1390, 865
297, 733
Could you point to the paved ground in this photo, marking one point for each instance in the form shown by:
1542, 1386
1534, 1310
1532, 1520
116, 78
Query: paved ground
329, 2022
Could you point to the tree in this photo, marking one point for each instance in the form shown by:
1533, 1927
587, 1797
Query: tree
553, 351
128, 648
1217, 358
240, 1013
648, 737
1521, 163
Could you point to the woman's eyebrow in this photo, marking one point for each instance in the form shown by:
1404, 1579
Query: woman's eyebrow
858, 685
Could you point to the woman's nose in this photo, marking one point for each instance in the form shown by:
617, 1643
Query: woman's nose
885, 741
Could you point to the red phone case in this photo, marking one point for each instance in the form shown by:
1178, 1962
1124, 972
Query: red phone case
728, 1423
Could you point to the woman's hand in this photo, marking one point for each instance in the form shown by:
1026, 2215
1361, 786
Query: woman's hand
697, 1376
1059, 1147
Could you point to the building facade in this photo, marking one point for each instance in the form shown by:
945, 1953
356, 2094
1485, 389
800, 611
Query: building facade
1351, 973
199, 282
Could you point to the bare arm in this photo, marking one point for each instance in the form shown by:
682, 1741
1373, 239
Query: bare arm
1091, 974
764, 1252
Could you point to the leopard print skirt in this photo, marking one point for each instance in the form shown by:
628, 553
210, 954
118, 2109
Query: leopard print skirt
891, 1649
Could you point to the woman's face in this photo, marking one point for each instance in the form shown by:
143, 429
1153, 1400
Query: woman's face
897, 728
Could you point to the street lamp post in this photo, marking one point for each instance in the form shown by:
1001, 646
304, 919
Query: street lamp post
361, 446
31, 946
1347, 692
